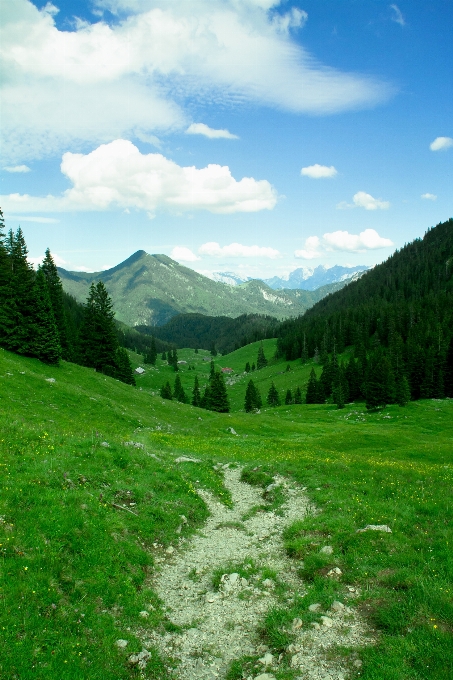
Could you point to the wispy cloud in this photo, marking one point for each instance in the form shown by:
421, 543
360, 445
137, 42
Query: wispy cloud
363, 200
34, 218
183, 254
397, 16
214, 249
429, 197
17, 168
441, 144
206, 131
317, 171
118, 175
368, 239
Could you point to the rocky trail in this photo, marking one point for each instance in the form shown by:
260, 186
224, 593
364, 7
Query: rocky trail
218, 586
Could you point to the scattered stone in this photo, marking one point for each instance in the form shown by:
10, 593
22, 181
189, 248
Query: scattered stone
144, 614
326, 550
316, 625
121, 644
314, 607
231, 430
268, 583
334, 573
293, 649
265, 676
140, 660
267, 659
105, 444
357, 663
140, 370
184, 459
375, 527
170, 550
136, 445
183, 519
49, 380
297, 623
326, 621
337, 606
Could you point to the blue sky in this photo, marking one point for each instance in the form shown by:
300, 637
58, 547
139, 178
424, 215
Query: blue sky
254, 136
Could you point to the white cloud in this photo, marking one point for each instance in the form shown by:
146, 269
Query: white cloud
429, 197
34, 218
441, 143
317, 171
368, 239
213, 249
397, 15
35, 261
130, 77
206, 131
363, 200
295, 18
17, 168
118, 175
181, 253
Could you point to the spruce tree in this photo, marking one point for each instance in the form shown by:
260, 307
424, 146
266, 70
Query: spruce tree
403, 393
211, 371
178, 391
273, 398
20, 304
247, 367
213, 350
196, 396
312, 396
164, 356
206, 398
288, 397
151, 356
46, 343
98, 331
124, 370
175, 360
298, 396
448, 379
376, 382
165, 391
55, 287
5, 276
219, 397
252, 398
253, 367
261, 360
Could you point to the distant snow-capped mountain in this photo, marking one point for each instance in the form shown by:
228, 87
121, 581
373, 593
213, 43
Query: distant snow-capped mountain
303, 278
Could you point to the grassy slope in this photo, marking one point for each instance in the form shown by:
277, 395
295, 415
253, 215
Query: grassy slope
74, 568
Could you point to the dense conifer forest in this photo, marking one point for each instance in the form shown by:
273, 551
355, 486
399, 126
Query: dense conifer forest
399, 320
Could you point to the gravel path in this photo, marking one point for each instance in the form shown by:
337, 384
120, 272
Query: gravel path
221, 625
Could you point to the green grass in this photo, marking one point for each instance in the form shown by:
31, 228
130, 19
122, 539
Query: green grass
75, 570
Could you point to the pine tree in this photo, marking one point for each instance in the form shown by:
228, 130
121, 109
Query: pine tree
252, 398
98, 331
165, 391
298, 396
151, 356
196, 396
289, 397
19, 307
261, 360
448, 379
338, 395
206, 398
164, 356
312, 396
196, 350
178, 391
403, 392
55, 287
211, 371
46, 342
175, 360
273, 398
219, 397
376, 385
213, 350
5, 276
253, 367
124, 370
247, 367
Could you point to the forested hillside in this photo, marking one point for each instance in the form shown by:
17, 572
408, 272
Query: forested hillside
398, 317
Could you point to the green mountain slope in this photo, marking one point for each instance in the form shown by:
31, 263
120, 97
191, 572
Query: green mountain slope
151, 289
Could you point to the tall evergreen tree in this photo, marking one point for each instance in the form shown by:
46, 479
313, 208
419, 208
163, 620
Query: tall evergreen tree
247, 367
164, 356
377, 381
98, 331
288, 397
211, 371
165, 391
261, 360
20, 304
196, 396
46, 342
206, 398
273, 398
252, 397
124, 370
55, 287
312, 396
403, 392
298, 395
219, 397
178, 391
151, 356
448, 380
5, 276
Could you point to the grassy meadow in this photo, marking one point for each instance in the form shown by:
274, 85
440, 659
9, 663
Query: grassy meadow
91, 496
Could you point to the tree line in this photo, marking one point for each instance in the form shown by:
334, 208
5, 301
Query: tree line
36, 319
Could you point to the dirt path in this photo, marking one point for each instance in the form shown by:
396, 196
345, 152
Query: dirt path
220, 625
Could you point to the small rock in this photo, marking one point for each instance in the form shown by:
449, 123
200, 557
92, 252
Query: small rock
268, 583
231, 430
316, 625
183, 519
140, 659
314, 607
233, 578
105, 444
326, 621
49, 380
293, 649
326, 550
265, 676
297, 623
267, 659
144, 614
170, 550
271, 487
375, 527
357, 663
244, 582
121, 644
184, 459
334, 573
337, 606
